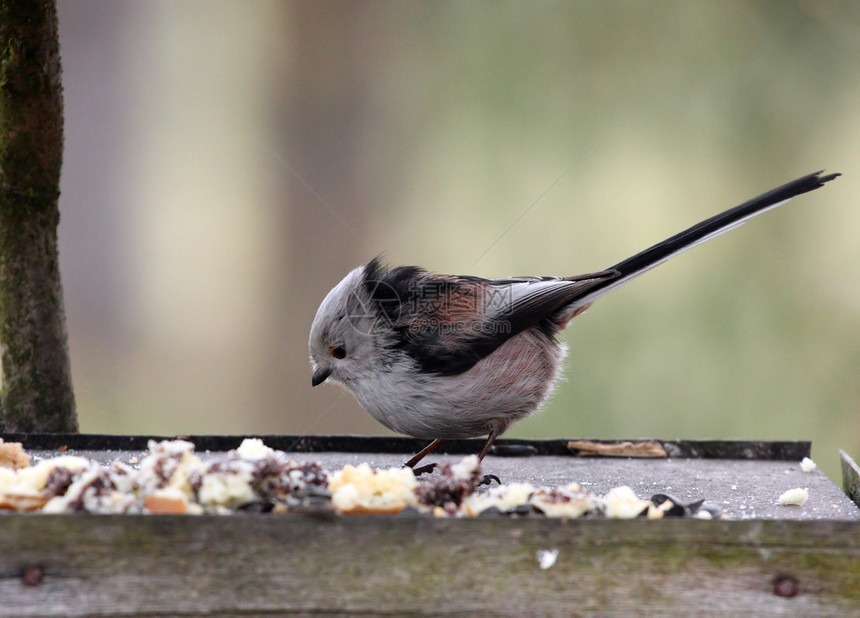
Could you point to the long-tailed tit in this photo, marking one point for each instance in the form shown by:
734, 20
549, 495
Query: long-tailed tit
450, 356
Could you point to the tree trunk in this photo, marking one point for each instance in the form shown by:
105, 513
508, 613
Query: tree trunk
37, 389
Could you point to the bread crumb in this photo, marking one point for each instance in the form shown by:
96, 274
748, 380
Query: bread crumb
253, 448
622, 503
546, 557
358, 489
807, 465
794, 497
169, 463
502, 497
225, 483
12, 455
166, 502
570, 502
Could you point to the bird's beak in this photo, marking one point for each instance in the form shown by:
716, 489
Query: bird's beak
320, 375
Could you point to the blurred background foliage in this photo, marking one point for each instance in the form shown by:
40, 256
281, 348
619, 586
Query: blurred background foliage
228, 162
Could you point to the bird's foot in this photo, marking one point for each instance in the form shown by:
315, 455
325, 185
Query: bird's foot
425, 469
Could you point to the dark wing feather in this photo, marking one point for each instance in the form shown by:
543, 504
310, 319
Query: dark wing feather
449, 323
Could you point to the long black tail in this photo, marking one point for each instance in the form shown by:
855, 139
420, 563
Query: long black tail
644, 261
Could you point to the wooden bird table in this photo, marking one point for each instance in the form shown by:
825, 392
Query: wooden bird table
763, 559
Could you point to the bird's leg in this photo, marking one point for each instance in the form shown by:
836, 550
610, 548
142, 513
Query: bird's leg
488, 478
489, 443
421, 455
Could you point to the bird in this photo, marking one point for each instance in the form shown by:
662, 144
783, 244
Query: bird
442, 357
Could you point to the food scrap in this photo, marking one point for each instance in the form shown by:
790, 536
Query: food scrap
546, 558
12, 455
170, 479
794, 497
807, 465
359, 489
590, 448
174, 479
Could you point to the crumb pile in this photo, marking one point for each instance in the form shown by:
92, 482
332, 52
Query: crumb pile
173, 479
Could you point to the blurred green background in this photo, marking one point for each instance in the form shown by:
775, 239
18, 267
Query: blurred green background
228, 162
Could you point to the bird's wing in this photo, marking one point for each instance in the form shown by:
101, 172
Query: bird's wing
525, 302
449, 323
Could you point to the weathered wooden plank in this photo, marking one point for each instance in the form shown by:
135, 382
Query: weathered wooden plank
147, 565
850, 477
707, 449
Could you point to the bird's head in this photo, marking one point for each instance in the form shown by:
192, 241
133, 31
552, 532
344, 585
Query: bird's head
350, 330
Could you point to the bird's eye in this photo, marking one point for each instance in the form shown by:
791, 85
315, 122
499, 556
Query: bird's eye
337, 351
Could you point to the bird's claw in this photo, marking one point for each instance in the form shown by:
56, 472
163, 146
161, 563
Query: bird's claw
425, 469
